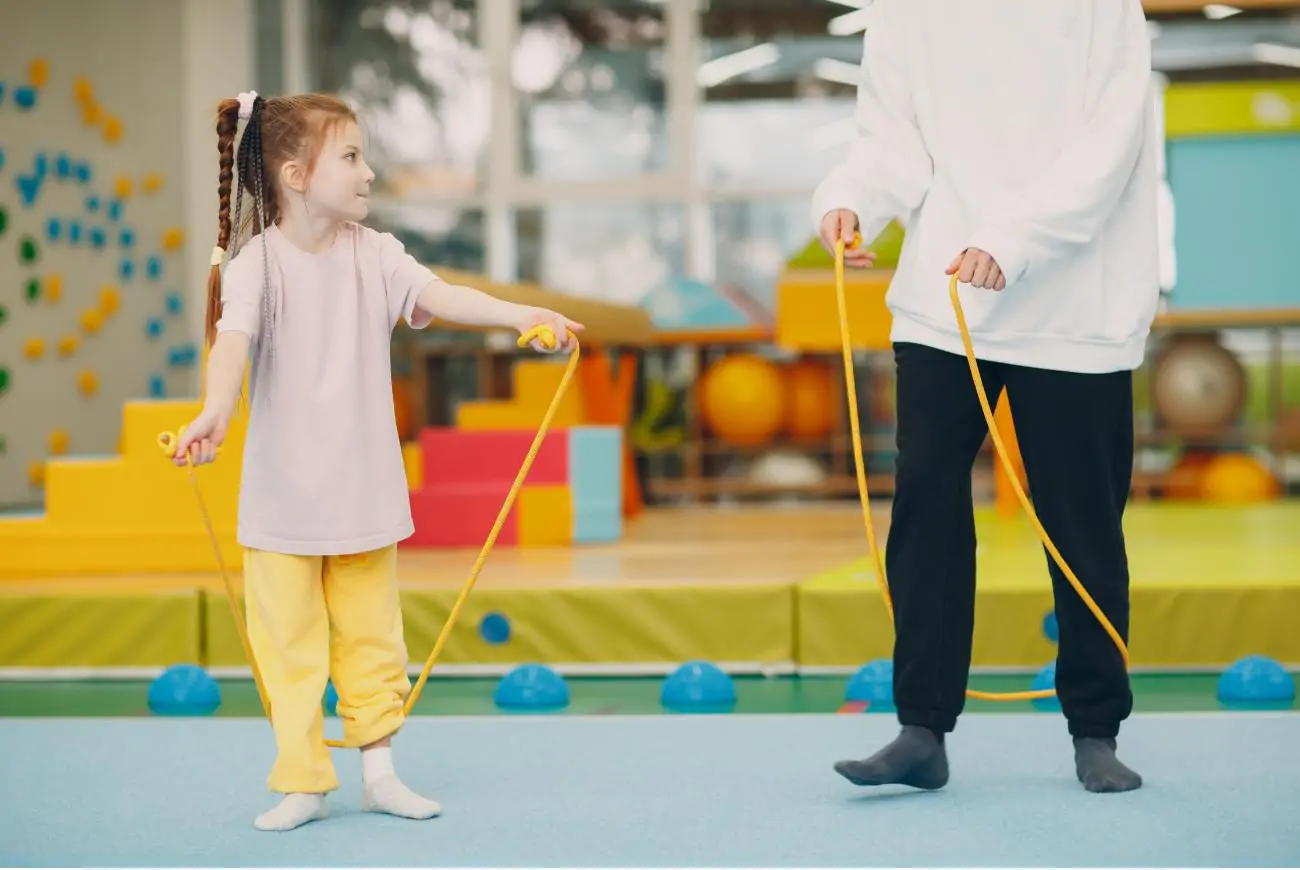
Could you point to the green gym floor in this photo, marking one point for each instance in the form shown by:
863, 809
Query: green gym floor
1153, 693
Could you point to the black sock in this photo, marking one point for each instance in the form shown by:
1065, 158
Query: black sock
916, 758
1099, 769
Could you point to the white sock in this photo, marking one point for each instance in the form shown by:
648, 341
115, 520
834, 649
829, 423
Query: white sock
376, 763
386, 793
294, 811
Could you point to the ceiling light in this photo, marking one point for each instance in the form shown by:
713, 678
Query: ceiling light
849, 23
1271, 52
1217, 11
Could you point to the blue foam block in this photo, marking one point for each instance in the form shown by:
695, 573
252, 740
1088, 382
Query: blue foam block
598, 523
595, 466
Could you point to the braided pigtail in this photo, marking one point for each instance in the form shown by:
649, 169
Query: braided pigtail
227, 126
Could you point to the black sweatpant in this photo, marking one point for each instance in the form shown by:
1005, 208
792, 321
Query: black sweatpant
1075, 433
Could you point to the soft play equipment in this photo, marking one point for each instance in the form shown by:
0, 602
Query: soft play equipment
130, 512
573, 494
1237, 478
1198, 385
742, 398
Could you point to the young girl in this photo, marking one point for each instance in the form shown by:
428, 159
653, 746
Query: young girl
323, 499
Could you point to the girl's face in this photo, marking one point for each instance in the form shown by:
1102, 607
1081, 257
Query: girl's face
339, 187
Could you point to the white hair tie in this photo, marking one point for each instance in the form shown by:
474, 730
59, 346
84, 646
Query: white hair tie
246, 105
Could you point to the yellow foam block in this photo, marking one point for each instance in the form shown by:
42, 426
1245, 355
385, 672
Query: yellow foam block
130, 512
545, 516
533, 386
807, 313
413, 461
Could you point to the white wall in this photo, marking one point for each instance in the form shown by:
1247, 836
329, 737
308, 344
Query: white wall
159, 66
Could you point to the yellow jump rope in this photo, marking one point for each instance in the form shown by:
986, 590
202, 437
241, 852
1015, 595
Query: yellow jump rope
1002, 455
167, 441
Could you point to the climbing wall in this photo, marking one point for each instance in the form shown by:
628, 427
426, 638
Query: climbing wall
91, 300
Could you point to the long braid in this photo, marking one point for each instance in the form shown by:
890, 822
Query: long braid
227, 126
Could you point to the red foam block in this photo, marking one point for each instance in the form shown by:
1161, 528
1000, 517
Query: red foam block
452, 457
462, 516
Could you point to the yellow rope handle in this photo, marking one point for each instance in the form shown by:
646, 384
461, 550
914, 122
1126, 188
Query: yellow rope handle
1002, 456
168, 442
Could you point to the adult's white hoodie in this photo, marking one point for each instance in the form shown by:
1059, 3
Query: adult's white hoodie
1025, 128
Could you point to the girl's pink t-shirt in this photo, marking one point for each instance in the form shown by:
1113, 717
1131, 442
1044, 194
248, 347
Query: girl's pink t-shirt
322, 470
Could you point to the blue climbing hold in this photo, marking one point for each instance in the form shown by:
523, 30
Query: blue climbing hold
699, 687
126, 238
74, 232
153, 268
97, 237
83, 172
531, 687
494, 628
53, 229
153, 327
330, 701
115, 210
1050, 628
182, 355
25, 97
157, 387
175, 304
92, 203
184, 690
873, 684
63, 166
1046, 679
1256, 682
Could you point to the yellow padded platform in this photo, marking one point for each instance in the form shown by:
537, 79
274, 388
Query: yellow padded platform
129, 513
1209, 585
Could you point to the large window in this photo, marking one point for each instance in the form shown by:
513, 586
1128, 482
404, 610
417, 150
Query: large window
605, 148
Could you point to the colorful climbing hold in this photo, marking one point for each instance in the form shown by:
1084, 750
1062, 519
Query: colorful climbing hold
28, 251
157, 387
34, 348
53, 229
153, 267
53, 288
32, 290
173, 239
122, 187
87, 383
68, 345
153, 327
25, 97
127, 270
113, 129
59, 439
4, 220
36, 473
82, 90
4, 379
110, 299
152, 183
4, 315
91, 321
38, 72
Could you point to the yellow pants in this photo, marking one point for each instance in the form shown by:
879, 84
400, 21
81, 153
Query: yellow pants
313, 617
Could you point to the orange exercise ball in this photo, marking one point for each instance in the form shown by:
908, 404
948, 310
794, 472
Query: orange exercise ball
809, 400
742, 399
1237, 478
1188, 474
